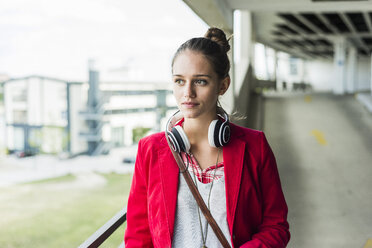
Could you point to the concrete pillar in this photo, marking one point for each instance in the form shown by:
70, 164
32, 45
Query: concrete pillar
339, 78
94, 91
351, 79
93, 103
275, 72
243, 46
227, 100
275, 65
266, 59
371, 74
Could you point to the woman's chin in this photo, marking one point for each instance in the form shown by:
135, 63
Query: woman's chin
190, 113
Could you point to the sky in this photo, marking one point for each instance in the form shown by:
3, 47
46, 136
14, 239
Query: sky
127, 40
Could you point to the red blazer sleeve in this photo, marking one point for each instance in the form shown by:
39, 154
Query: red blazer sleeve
137, 232
273, 232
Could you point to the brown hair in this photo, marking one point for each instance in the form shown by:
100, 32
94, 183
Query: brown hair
214, 46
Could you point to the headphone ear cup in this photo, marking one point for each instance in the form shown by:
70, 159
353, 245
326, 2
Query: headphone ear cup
179, 139
213, 141
224, 133
218, 133
173, 142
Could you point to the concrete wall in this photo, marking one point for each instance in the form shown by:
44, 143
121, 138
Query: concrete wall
319, 74
284, 74
244, 71
244, 101
363, 74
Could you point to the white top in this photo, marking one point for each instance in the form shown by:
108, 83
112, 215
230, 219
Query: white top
187, 225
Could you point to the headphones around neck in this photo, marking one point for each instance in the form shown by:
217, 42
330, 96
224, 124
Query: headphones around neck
218, 132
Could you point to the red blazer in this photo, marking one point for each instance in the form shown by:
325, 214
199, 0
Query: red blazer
256, 208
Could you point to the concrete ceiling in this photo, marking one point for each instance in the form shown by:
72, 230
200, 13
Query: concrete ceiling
305, 28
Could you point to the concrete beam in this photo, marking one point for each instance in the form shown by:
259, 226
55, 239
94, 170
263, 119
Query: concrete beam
215, 13
299, 5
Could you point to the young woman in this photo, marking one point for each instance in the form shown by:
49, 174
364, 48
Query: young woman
237, 178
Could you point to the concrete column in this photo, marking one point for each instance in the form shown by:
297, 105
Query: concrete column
266, 63
243, 46
275, 65
228, 98
371, 74
278, 85
339, 79
351, 79
94, 91
93, 103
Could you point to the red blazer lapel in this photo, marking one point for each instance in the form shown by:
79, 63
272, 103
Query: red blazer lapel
169, 173
233, 156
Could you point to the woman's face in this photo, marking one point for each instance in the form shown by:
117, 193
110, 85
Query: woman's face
196, 86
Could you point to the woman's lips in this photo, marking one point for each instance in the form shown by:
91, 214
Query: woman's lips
189, 104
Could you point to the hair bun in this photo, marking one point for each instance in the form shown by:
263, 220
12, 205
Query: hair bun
218, 36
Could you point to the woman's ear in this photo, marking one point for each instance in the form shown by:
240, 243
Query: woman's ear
225, 83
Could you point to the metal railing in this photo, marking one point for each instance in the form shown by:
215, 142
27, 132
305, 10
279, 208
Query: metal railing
106, 230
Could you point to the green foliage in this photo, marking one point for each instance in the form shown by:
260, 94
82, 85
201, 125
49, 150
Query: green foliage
66, 178
139, 132
62, 212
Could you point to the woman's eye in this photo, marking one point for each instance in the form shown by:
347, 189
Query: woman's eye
200, 82
179, 81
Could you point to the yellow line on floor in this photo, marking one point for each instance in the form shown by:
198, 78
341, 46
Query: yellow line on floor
368, 244
319, 136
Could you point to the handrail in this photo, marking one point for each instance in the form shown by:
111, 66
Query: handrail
106, 230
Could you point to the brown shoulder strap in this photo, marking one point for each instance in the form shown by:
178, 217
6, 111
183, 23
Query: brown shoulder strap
198, 197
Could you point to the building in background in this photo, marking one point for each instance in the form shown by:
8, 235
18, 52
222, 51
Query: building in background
41, 115
48, 115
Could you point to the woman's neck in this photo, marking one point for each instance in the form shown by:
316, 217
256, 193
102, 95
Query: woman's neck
197, 129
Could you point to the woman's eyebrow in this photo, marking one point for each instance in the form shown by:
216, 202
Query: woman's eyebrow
196, 75
202, 75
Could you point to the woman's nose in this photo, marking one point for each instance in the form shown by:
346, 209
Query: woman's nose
189, 90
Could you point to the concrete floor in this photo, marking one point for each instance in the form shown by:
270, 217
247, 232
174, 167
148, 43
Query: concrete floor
323, 146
